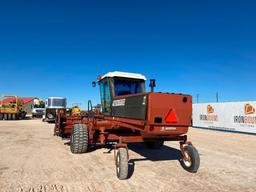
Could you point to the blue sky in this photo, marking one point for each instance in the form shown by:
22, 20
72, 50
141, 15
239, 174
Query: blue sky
57, 48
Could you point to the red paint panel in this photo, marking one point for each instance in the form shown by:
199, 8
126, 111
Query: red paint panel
164, 105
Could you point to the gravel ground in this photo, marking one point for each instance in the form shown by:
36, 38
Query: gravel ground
33, 160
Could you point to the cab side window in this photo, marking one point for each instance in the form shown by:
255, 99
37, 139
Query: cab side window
105, 96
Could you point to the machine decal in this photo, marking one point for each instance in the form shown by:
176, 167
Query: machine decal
120, 102
168, 128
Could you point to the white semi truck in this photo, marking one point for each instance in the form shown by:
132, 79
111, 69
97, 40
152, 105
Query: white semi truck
38, 108
52, 104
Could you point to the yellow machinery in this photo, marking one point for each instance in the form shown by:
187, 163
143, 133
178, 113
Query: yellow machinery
75, 111
11, 108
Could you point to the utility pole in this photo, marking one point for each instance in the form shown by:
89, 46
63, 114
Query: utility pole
217, 97
197, 98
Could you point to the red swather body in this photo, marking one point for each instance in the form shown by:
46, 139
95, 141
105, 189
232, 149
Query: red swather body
136, 117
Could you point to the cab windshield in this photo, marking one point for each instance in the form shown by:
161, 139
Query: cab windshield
126, 87
57, 102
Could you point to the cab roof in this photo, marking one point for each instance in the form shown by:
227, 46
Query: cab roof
125, 75
56, 98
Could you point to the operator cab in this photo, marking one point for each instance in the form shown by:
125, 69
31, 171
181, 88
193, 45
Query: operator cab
114, 84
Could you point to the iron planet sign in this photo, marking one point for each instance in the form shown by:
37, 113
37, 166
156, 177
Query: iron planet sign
233, 116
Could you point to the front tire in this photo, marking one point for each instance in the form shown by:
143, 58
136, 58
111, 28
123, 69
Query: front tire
79, 139
122, 163
50, 115
192, 163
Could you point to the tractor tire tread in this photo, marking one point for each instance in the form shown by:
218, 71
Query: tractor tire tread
79, 140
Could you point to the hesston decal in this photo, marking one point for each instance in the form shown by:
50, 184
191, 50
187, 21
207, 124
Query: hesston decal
249, 110
119, 102
209, 116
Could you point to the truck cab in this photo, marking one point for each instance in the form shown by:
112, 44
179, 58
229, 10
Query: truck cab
52, 104
38, 108
115, 84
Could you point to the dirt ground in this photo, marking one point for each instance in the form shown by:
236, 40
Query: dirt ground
33, 160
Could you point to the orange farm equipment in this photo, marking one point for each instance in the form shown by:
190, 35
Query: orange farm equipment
130, 115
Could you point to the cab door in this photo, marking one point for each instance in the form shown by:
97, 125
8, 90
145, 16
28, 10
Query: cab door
105, 96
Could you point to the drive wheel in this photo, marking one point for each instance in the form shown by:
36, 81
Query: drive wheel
154, 144
122, 163
192, 161
14, 116
9, 116
1, 116
79, 139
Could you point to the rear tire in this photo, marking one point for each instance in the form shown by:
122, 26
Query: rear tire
122, 167
1, 116
9, 116
14, 116
192, 164
79, 139
154, 144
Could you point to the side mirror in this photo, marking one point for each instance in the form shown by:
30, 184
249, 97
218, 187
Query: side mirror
93, 84
152, 84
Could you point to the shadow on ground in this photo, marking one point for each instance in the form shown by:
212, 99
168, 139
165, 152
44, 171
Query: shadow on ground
164, 154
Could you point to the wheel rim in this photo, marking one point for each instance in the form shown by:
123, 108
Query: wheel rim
187, 160
50, 116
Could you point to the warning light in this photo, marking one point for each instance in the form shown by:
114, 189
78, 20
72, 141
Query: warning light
99, 77
171, 117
